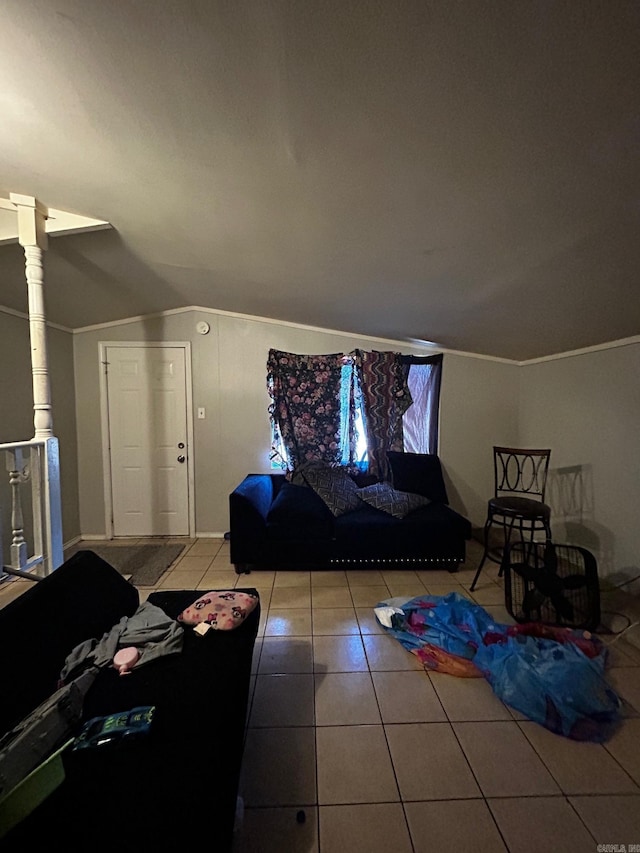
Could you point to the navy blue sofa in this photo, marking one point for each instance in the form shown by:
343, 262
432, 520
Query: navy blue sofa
155, 794
275, 524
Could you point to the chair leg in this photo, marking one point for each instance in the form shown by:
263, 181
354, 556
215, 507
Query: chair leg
507, 541
484, 554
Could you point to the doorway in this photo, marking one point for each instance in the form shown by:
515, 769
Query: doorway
147, 438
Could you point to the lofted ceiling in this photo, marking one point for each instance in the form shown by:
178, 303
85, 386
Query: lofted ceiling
460, 171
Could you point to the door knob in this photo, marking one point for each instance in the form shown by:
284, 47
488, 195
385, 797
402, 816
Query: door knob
181, 458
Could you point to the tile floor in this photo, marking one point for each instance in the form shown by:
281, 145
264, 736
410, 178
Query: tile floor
345, 728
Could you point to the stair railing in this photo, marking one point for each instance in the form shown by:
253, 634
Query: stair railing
35, 549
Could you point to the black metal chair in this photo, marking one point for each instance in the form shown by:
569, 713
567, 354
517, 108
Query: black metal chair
520, 478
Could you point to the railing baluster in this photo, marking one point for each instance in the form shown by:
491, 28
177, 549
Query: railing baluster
15, 467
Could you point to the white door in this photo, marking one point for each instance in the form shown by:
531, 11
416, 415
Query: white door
149, 458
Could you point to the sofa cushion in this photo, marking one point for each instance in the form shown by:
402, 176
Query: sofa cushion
383, 496
434, 530
335, 487
418, 473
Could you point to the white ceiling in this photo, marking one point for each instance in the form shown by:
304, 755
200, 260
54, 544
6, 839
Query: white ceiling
461, 171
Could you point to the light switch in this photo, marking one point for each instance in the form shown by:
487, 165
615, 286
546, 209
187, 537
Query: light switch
201, 413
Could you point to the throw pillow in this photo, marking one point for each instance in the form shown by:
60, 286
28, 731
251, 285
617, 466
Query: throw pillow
298, 475
335, 487
398, 504
223, 610
418, 473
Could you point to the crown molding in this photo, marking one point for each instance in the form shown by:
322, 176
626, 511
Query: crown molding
621, 342
413, 344
430, 348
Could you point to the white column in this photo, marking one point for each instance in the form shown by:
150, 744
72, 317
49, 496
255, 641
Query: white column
42, 417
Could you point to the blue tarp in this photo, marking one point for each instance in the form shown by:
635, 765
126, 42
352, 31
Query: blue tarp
555, 676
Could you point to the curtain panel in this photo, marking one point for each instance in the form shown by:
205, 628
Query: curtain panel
420, 422
307, 408
386, 397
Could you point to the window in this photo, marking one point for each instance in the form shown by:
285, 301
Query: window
419, 422
362, 456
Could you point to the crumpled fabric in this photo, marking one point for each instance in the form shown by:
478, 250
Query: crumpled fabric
552, 675
150, 630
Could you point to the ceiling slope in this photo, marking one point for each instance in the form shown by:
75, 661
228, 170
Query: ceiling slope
462, 172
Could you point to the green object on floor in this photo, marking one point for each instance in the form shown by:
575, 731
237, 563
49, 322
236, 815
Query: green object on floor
32, 790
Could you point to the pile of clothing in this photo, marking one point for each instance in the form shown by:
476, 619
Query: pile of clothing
555, 676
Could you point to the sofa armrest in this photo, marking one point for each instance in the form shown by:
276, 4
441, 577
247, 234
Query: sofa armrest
249, 505
79, 601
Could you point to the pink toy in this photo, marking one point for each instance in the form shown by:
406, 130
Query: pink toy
126, 659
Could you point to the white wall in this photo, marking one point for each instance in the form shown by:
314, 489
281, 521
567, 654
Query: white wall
16, 421
478, 408
478, 402
586, 408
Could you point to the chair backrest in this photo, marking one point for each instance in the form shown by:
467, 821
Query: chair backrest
520, 471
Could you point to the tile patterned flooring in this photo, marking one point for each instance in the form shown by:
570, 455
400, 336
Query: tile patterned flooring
345, 728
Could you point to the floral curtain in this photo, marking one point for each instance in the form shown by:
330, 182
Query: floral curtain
386, 397
308, 407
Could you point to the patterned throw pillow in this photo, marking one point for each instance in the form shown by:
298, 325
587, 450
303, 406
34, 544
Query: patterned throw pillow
335, 487
385, 497
298, 475
222, 610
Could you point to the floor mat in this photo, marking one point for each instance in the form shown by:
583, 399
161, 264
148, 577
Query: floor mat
144, 563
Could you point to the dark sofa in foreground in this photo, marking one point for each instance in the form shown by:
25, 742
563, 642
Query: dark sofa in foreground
278, 524
180, 782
